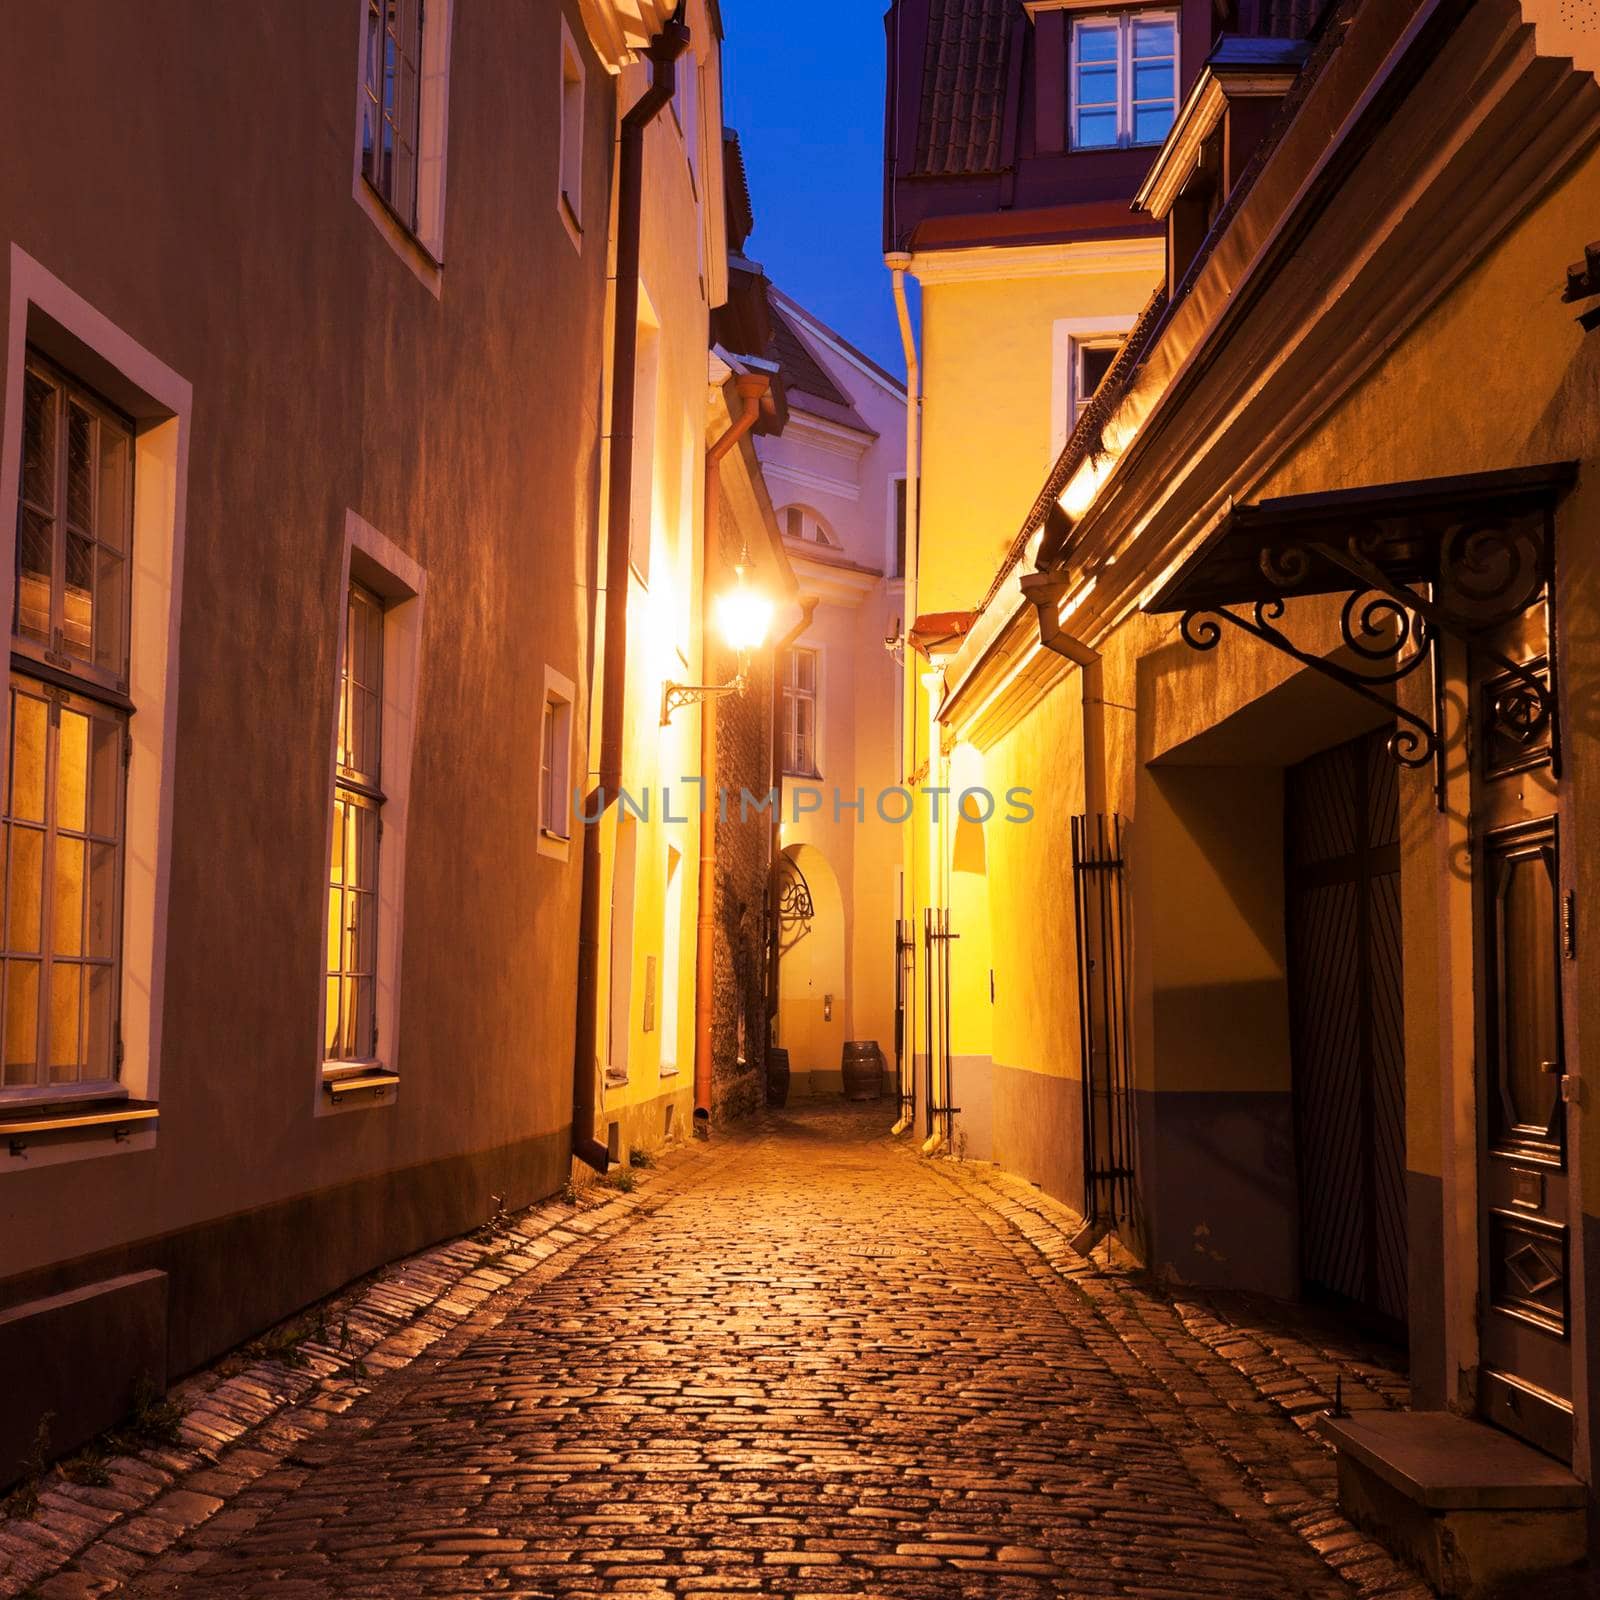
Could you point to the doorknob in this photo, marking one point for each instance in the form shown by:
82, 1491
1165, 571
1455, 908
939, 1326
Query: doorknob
1552, 1067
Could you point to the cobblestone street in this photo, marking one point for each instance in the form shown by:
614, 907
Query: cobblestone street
806, 1362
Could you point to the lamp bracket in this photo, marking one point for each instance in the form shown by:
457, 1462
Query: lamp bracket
674, 696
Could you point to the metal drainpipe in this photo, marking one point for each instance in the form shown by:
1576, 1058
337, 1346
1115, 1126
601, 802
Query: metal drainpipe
808, 606
1045, 590
663, 53
897, 263
751, 387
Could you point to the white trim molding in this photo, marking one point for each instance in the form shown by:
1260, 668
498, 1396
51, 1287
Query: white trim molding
620, 29
1065, 332
1074, 259
45, 312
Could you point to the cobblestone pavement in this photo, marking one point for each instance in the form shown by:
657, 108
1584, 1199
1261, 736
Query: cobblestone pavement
813, 1364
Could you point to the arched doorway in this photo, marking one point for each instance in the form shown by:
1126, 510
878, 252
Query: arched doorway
813, 1006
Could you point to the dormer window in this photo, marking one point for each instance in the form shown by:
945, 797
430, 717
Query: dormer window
1124, 78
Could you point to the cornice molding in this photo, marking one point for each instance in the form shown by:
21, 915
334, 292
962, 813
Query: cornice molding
815, 482
620, 29
1075, 259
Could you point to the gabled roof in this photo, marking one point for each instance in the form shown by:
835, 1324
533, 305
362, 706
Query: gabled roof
962, 117
801, 369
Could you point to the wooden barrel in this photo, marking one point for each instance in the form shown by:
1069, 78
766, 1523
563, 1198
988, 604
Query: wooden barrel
777, 1078
862, 1070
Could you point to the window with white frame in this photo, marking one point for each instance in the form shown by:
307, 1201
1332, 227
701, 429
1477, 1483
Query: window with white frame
555, 764
350, 1019
64, 780
1124, 78
569, 198
404, 98
800, 712
801, 522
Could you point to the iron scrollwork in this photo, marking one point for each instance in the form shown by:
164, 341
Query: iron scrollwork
1397, 609
794, 896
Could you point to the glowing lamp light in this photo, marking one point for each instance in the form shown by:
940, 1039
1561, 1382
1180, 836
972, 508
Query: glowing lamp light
744, 617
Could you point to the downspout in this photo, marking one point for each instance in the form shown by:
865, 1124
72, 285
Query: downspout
663, 52
808, 606
1045, 590
897, 263
751, 386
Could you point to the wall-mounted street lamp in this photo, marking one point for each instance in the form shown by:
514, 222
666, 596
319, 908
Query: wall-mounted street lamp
743, 617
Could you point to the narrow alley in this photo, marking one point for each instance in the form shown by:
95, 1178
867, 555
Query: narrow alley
803, 1361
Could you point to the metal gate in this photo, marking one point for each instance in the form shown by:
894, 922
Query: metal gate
1342, 873
939, 1097
1099, 904
905, 949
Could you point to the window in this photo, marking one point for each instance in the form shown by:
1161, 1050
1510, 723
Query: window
569, 198
671, 961
623, 890
644, 478
351, 1017
401, 123
800, 712
68, 731
801, 522
391, 109
1091, 361
899, 490
555, 766
1124, 79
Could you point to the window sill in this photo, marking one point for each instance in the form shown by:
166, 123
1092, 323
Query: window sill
345, 1083
426, 267
51, 1122
616, 1077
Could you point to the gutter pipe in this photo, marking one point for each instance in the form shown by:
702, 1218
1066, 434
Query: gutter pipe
897, 263
663, 52
751, 388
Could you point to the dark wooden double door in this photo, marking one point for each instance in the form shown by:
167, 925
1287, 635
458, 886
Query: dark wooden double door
1342, 880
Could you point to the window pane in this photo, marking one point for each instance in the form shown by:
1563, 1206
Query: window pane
105, 776
111, 515
30, 728
1094, 363
98, 1024
1151, 123
22, 1022
66, 914
1096, 129
72, 770
1097, 86
25, 889
110, 649
80, 466
1097, 41
1153, 36
36, 536
39, 441
1152, 80
77, 613
808, 670
102, 900
66, 998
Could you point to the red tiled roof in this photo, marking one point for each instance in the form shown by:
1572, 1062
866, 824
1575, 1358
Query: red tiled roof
964, 85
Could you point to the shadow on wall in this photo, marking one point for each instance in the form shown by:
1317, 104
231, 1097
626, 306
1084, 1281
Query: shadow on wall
812, 1002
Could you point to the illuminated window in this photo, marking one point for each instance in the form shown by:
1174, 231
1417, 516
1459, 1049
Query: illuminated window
351, 1016
64, 779
800, 712
1124, 78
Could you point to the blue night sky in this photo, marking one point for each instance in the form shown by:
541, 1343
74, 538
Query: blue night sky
804, 89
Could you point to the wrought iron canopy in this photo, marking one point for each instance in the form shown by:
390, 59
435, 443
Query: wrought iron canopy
1440, 557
